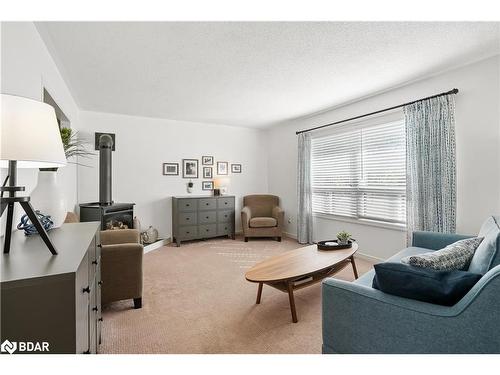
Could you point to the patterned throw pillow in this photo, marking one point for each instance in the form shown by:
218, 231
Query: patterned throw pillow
456, 256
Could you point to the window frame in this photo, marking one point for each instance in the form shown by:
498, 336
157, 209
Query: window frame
381, 119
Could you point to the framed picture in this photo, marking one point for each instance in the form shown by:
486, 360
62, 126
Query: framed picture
222, 167
207, 185
189, 168
170, 169
207, 172
235, 168
207, 160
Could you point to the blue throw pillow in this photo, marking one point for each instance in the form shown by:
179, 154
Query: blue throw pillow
423, 284
486, 253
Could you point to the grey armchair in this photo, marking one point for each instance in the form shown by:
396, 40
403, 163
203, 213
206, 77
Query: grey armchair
261, 216
360, 319
121, 266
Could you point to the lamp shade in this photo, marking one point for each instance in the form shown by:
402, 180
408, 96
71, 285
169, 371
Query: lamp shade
30, 133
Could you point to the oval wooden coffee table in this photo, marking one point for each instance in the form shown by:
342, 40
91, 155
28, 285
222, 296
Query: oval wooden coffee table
299, 268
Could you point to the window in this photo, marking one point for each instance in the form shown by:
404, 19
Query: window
359, 172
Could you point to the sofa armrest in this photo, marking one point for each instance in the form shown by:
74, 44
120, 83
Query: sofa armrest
246, 215
360, 319
120, 236
279, 215
435, 240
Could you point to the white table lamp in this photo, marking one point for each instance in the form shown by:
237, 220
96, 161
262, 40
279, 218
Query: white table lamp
29, 138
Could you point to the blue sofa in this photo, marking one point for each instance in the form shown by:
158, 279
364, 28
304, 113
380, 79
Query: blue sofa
360, 319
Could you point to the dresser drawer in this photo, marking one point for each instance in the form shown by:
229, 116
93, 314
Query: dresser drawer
188, 232
187, 218
225, 203
224, 229
205, 217
207, 204
207, 230
187, 205
224, 216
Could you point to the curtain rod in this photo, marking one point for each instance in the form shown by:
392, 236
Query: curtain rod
454, 91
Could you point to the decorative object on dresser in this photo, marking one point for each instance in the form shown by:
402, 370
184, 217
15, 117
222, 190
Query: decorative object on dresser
110, 214
121, 266
297, 269
235, 168
30, 139
189, 168
207, 185
222, 167
261, 216
207, 172
190, 186
170, 169
54, 299
48, 196
207, 160
221, 184
198, 217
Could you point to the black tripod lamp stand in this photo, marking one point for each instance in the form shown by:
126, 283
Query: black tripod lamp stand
30, 138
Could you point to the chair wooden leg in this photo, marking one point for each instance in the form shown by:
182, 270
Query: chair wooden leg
246, 239
137, 303
279, 239
259, 294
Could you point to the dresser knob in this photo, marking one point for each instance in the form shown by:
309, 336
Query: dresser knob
100, 283
95, 308
94, 262
100, 319
99, 245
86, 290
206, 204
206, 217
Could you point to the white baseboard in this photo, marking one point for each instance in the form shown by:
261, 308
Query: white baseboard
290, 235
156, 245
369, 258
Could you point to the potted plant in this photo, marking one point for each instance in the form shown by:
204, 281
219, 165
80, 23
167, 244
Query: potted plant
48, 196
343, 237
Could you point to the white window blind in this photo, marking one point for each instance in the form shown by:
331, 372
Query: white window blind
360, 172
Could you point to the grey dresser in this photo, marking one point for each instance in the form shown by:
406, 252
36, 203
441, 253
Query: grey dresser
198, 217
53, 298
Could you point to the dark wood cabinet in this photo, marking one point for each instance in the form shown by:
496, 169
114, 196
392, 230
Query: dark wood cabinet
197, 217
53, 298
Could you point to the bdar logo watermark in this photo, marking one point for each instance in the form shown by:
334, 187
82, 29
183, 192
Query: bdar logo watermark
9, 347
24, 346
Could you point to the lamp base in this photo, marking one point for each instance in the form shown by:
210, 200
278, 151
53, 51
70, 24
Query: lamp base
8, 203
28, 208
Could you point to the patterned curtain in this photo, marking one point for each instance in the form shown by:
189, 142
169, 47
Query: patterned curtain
430, 165
304, 215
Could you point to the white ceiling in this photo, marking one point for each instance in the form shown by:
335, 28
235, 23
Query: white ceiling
251, 74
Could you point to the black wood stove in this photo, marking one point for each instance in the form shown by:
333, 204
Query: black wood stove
111, 215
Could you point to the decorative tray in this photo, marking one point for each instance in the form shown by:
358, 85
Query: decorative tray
334, 245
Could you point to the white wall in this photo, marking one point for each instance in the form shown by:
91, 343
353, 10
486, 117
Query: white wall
26, 68
143, 144
478, 155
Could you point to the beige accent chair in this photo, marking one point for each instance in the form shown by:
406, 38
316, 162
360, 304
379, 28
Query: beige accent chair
261, 216
121, 266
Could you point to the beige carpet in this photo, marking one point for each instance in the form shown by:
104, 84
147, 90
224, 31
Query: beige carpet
196, 300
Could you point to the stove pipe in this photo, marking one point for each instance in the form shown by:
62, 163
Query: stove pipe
105, 149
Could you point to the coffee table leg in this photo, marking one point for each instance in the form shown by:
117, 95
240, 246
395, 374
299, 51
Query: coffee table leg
354, 267
292, 302
259, 293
